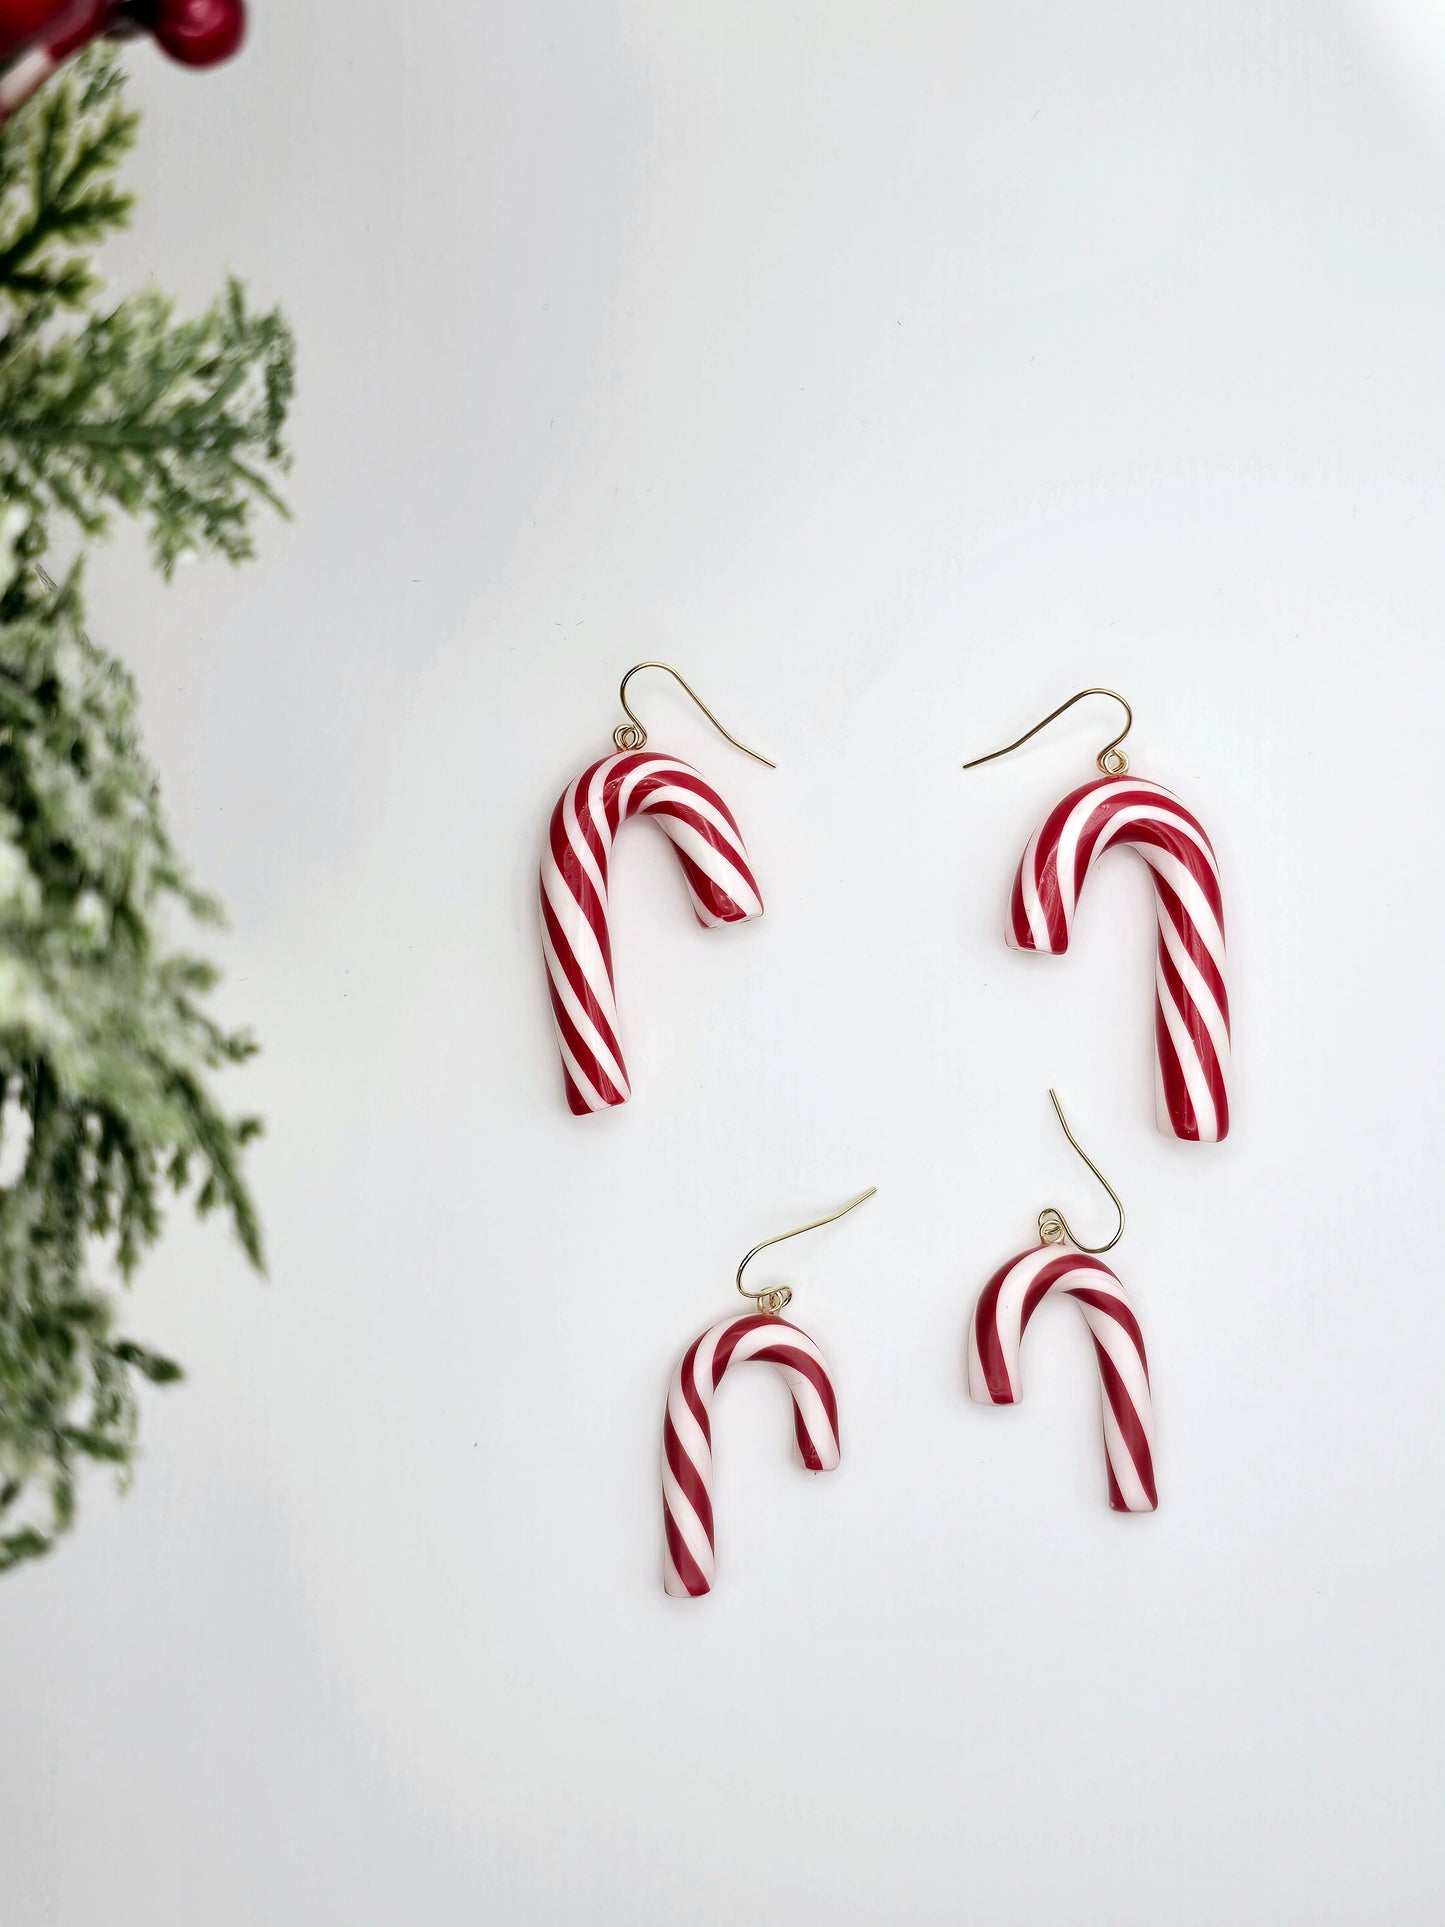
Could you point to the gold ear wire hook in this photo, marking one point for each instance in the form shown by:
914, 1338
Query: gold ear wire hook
777, 1296
632, 735
1111, 760
1053, 1225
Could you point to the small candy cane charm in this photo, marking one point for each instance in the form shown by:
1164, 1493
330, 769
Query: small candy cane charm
689, 1565
573, 890
1014, 1293
1006, 1304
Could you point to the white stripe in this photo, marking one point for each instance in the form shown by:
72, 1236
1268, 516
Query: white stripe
580, 937
777, 1331
586, 1089
1196, 906
1034, 912
586, 1028
977, 1385
702, 1364
643, 773
1121, 1351
1172, 817
1161, 1096
1202, 992
668, 798
814, 1414
1120, 819
690, 1435
1206, 1118
23, 76
715, 864
689, 1525
671, 1581
1009, 1312
701, 911
1066, 847
1131, 1486
593, 868
1095, 801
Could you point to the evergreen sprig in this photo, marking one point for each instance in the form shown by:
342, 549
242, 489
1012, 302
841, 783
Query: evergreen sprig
105, 1043
57, 191
175, 423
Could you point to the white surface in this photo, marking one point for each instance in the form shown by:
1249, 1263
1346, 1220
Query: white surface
895, 371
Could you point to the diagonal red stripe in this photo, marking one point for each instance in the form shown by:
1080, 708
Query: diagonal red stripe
581, 990
1178, 1102
1114, 1307
688, 1570
577, 881
1127, 1419
692, 1396
1160, 835
694, 1487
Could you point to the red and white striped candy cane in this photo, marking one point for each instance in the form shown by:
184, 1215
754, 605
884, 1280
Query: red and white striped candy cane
1006, 1304
1191, 1021
689, 1568
575, 932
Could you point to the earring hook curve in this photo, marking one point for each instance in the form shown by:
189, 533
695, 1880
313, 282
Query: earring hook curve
777, 1296
1111, 760
631, 734
1054, 1227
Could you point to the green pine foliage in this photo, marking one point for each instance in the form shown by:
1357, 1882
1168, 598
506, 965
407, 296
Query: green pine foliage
106, 1047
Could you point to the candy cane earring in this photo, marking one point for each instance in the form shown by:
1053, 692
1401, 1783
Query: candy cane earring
688, 1567
1191, 1016
576, 936
1014, 1293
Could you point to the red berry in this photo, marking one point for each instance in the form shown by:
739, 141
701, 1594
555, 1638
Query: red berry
51, 23
20, 21
199, 33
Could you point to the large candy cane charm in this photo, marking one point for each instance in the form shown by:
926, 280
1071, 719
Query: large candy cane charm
688, 1564
1006, 1304
1191, 1023
575, 933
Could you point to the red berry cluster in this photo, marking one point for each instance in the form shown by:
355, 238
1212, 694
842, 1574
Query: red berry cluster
196, 32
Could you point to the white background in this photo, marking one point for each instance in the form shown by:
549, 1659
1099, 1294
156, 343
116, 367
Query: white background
895, 371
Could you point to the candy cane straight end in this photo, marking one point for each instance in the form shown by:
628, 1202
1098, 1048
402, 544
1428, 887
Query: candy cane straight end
1001, 1316
1191, 1027
1140, 1502
573, 883
1174, 1111
689, 1566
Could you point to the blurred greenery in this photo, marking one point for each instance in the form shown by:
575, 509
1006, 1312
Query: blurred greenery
105, 1044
